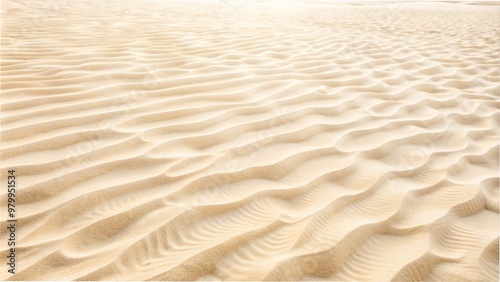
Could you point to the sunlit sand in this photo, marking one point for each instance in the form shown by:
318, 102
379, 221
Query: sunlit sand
251, 140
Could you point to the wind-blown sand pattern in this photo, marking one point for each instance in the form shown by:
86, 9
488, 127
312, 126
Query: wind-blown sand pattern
252, 140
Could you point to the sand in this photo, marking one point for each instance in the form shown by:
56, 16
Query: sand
251, 140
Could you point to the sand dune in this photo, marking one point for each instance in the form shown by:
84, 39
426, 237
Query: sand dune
252, 140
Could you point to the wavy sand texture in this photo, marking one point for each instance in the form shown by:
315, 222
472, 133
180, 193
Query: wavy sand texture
252, 140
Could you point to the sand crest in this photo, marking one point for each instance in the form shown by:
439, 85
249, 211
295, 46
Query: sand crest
251, 140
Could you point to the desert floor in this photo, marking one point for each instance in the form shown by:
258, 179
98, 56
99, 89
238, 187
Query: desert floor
251, 140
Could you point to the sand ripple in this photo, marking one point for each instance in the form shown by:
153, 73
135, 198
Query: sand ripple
239, 140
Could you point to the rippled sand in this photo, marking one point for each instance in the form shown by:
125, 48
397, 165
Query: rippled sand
240, 140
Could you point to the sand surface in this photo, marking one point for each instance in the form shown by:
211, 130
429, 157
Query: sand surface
251, 140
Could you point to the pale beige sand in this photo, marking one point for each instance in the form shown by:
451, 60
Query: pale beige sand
264, 140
